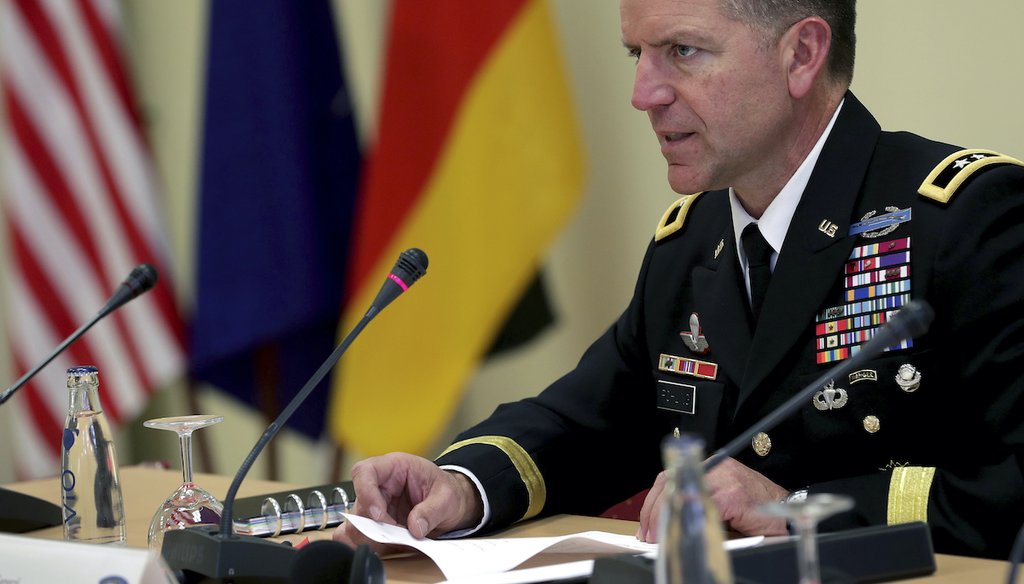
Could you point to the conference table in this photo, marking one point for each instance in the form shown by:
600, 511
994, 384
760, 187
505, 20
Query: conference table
146, 488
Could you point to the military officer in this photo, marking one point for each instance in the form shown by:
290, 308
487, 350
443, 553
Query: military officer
810, 228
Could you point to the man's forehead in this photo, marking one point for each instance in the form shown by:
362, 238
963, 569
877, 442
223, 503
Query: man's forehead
656, 21
647, 13
670, 8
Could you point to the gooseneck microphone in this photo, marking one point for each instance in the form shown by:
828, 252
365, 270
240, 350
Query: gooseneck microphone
912, 320
19, 512
222, 554
142, 278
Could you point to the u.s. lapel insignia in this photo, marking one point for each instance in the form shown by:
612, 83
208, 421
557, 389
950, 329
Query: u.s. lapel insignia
830, 397
828, 228
719, 248
908, 378
693, 338
871, 226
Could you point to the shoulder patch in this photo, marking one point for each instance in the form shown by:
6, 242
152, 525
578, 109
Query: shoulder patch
944, 180
675, 217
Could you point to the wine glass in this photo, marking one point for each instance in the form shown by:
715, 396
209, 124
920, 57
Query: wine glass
804, 516
189, 505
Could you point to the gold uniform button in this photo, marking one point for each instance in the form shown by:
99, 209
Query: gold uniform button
872, 424
762, 444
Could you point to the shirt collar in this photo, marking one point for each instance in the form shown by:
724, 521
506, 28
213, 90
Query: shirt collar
774, 222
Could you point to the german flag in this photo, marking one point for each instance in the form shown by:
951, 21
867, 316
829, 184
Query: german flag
478, 162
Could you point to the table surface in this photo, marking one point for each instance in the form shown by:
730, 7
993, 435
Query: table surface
145, 489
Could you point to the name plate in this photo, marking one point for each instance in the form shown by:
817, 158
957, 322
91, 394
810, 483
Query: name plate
28, 560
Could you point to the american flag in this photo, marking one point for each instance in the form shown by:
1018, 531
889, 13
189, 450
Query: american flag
79, 206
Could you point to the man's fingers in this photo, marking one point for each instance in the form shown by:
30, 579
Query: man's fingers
369, 500
353, 538
649, 511
449, 506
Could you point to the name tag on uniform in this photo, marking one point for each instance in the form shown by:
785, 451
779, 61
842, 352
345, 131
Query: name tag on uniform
677, 397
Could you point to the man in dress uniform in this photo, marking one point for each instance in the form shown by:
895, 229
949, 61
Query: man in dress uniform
810, 228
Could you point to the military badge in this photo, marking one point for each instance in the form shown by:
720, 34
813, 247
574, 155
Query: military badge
828, 228
863, 375
693, 338
908, 378
830, 397
872, 226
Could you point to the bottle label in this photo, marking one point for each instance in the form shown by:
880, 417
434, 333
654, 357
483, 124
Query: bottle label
68, 481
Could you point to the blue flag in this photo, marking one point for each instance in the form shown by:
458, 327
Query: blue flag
279, 174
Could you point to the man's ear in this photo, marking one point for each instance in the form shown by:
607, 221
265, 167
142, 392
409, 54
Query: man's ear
806, 45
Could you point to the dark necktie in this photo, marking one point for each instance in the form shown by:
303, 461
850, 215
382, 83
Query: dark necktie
759, 267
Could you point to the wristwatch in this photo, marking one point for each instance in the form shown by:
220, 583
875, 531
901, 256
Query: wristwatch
798, 496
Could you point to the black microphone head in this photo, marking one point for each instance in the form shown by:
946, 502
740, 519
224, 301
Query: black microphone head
142, 278
411, 265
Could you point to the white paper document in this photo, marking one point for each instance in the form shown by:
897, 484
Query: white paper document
466, 560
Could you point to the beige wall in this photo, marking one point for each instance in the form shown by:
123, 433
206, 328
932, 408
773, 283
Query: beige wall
943, 68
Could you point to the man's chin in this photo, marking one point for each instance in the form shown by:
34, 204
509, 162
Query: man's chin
684, 182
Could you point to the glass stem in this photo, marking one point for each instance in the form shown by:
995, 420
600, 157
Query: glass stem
807, 551
186, 456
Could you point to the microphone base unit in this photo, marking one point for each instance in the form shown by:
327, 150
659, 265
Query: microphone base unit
21, 513
199, 554
866, 554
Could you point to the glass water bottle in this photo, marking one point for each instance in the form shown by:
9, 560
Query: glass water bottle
690, 535
92, 506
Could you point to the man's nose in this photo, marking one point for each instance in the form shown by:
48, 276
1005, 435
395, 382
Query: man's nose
650, 88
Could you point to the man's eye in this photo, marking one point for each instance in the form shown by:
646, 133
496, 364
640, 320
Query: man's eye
685, 50
634, 54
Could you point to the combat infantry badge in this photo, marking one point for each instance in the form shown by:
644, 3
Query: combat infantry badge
693, 338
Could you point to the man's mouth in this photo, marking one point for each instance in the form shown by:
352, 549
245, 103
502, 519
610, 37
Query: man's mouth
671, 137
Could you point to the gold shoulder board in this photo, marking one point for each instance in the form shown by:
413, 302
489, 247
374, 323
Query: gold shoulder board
674, 218
944, 180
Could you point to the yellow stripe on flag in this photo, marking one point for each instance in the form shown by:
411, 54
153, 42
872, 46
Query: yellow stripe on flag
509, 176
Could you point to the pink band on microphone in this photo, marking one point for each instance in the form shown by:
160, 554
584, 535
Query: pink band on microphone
398, 281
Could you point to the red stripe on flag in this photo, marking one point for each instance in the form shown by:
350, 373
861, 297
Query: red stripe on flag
454, 38
110, 55
52, 176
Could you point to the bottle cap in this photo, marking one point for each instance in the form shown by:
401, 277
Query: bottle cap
82, 374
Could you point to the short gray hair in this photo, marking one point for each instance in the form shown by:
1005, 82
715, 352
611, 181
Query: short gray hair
775, 16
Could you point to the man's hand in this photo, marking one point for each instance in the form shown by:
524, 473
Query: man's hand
736, 492
402, 489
